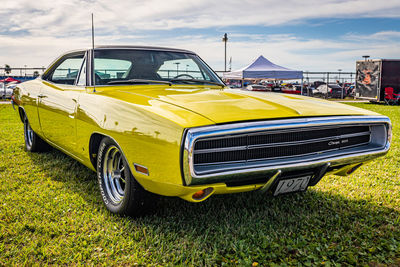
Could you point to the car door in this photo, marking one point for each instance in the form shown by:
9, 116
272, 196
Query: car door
58, 101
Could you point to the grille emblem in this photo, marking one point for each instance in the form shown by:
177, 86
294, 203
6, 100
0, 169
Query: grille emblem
332, 143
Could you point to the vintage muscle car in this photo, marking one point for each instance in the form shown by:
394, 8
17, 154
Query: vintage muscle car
159, 120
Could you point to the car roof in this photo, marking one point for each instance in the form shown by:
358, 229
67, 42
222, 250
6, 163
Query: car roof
138, 47
133, 47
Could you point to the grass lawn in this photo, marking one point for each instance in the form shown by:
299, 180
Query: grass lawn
51, 213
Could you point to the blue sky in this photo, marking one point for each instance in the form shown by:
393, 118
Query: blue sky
307, 35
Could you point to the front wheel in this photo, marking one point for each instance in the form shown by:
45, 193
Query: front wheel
120, 191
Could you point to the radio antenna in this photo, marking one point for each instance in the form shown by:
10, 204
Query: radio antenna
93, 73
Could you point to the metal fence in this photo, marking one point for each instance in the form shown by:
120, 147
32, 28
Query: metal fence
309, 77
329, 77
316, 78
22, 72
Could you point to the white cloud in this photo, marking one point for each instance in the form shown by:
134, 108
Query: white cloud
383, 35
35, 32
290, 51
43, 17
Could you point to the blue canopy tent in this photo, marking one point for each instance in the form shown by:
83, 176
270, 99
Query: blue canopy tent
262, 68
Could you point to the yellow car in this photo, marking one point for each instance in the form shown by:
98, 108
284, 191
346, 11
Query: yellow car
154, 120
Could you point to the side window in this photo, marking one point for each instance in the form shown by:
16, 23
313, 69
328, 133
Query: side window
67, 71
82, 75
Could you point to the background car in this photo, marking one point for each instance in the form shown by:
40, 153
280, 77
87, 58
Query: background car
292, 89
6, 91
351, 90
257, 87
330, 91
276, 88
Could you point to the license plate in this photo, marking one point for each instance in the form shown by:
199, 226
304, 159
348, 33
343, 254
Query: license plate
292, 185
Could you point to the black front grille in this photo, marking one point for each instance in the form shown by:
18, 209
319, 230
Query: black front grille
278, 144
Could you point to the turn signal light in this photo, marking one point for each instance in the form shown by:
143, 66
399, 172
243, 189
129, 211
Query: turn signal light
199, 194
141, 169
203, 194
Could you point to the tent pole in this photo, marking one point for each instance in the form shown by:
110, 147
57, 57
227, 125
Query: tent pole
327, 85
301, 90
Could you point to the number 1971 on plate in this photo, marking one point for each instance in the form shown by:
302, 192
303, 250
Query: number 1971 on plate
292, 185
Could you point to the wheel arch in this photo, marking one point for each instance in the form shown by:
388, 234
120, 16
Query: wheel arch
22, 114
94, 143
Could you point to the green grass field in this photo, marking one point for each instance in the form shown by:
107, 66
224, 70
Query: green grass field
51, 213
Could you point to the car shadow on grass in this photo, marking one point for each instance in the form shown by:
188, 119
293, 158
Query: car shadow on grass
249, 225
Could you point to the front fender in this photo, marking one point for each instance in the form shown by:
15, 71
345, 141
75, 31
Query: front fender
149, 132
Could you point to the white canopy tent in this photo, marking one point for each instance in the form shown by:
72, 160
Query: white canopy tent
262, 68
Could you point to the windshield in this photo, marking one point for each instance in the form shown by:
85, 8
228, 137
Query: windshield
114, 66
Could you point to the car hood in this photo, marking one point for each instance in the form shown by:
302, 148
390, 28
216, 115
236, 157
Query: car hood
227, 105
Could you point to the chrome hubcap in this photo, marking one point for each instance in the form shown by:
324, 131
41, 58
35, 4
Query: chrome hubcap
114, 175
29, 134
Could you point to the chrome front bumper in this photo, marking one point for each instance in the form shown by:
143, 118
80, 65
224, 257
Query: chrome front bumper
269, 168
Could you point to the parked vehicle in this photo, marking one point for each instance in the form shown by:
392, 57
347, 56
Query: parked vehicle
5, 92
147, 127
267, 83
331, 91
351, 91
373, 76
257, 87
276, 88
348, 89
11, 86
292, 89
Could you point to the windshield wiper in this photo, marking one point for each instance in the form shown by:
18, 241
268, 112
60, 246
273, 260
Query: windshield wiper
139, 81
195, 81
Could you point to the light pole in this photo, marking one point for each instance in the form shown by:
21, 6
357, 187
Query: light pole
339, 70
225, 40
365, 57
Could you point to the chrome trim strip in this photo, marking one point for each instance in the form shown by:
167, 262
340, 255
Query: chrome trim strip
267, 159
191, 177
236, 148
283, 157
272, 131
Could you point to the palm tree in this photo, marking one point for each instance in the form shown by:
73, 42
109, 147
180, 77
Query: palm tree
7, 69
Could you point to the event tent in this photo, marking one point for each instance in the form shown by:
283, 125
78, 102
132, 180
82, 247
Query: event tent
9, 79
262, 68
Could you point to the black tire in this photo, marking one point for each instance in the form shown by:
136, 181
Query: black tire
33, 143
120, 191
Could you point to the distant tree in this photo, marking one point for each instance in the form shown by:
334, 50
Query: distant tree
35, 73
7, 69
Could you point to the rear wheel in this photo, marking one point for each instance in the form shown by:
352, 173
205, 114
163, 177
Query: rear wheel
33, 142
120, 191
